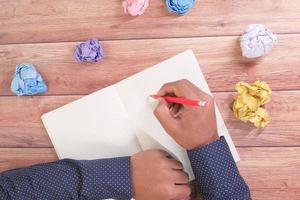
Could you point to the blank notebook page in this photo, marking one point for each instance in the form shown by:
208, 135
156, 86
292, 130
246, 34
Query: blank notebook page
92, 127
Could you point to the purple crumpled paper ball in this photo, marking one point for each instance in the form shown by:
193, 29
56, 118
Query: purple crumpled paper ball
89, 51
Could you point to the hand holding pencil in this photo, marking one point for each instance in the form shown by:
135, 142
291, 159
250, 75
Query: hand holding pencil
187, 114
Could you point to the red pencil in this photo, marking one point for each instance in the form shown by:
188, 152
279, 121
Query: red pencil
181, 100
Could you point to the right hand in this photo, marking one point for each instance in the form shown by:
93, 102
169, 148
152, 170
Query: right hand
190, 126
155, 175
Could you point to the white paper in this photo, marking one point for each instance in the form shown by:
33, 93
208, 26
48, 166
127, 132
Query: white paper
105, 123
95, 126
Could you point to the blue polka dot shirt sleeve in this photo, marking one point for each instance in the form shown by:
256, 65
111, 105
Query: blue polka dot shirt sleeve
69, 179
216, 173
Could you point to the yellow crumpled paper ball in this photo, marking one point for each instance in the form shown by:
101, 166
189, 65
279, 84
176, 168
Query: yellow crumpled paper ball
249, 101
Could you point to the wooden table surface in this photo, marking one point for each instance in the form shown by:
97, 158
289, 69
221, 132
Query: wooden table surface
45, 32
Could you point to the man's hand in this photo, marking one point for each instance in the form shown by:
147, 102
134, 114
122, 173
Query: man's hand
155, 175
190, 126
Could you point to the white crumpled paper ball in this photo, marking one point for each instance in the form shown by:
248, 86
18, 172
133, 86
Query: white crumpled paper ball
257, 41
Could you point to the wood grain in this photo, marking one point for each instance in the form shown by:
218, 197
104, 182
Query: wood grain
13, 158
24, 21
271, 173
20, 124
220, 59
45, 33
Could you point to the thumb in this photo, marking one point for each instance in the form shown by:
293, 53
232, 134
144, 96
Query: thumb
164, 116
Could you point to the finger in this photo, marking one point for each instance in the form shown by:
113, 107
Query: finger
168, 88
164, 116
174, 110
180, 177
182, 110
175, 164
171, 105
159, 152
181, 192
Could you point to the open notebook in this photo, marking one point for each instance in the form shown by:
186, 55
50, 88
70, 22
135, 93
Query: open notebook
119, 121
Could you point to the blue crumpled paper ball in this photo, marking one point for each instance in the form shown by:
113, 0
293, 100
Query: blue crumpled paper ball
27, 81
180, 7
89, 51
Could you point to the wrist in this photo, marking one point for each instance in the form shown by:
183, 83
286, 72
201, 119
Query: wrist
208, 145
213, 137
210, 138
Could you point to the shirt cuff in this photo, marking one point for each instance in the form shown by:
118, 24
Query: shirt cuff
109, 177
216, 172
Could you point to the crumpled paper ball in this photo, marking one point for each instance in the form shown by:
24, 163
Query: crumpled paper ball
27, 81
257, 41
89, 51
180, 7
249, 101
135, 7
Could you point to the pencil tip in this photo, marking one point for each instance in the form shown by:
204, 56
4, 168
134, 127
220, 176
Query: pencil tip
154, 96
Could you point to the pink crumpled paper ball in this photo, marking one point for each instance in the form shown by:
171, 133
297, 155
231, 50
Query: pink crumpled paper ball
135, 7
